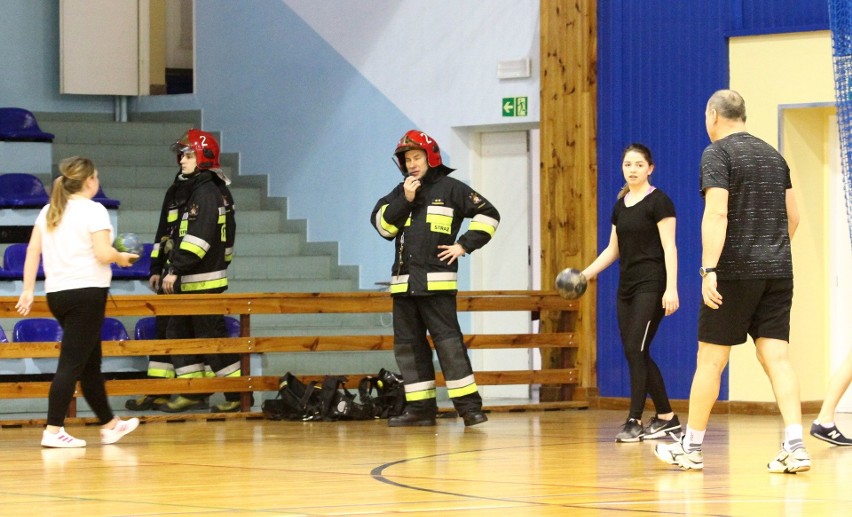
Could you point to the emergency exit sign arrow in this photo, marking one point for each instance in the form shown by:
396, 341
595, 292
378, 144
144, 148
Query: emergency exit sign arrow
514, 107
508, 107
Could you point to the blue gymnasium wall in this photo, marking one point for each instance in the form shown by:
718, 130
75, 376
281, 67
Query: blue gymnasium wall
658, 62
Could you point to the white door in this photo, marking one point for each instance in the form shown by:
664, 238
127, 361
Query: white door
503, 177
840, 267
103, 47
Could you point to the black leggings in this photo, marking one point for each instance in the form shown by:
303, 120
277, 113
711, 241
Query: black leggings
638, 320
80, 313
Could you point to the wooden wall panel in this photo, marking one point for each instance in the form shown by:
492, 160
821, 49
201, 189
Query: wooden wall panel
569, 168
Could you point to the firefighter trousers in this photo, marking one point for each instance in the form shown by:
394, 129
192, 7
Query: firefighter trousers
413, 316
189, 366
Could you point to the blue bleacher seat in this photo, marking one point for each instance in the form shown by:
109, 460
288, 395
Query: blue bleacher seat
233, 326
37, 330
102, 198
13, 262
140, 269
3, 338
20, 125
113, 330
21, 190
146, 328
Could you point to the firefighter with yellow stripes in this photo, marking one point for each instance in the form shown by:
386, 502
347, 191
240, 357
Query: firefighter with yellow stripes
423, 215
195, 255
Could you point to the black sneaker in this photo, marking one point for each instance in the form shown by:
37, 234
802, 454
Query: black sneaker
631, 432
829, 434
659, 428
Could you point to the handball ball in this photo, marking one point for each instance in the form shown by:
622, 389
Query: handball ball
129, 242
571, 283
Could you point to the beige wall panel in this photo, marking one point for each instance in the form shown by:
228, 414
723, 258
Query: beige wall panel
772, 71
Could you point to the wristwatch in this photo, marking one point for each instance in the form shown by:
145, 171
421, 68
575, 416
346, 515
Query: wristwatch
704, 271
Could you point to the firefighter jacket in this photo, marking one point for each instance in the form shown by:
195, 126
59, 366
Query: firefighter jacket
434, 218
230, 218
166, 230
195, 234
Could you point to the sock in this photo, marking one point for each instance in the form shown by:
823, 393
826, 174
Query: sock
826, 425
693, 439
793, 437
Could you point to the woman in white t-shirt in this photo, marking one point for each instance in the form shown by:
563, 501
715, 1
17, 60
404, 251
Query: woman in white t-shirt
73, 235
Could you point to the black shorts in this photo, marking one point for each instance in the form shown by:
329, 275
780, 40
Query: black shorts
759, 308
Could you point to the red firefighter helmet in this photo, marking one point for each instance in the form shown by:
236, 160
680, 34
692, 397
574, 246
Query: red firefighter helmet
203, 144
415, 139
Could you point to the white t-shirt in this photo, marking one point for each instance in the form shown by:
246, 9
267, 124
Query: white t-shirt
68, 252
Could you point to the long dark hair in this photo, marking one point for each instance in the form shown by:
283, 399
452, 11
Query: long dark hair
641, 149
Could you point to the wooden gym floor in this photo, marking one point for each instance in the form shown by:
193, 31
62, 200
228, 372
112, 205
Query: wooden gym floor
524, 463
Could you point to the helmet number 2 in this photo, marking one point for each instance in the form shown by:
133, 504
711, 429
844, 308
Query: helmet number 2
203, 139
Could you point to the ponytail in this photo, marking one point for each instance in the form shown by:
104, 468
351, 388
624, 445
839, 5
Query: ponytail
74, 172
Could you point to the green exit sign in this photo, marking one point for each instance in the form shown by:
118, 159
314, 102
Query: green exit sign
514, 107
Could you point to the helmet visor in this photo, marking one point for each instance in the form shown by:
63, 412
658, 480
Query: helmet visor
180, 148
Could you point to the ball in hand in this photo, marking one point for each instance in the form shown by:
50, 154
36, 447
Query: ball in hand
571, 284
128, 242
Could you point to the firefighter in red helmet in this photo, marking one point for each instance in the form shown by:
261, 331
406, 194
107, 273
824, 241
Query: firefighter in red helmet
194, 247
423, 216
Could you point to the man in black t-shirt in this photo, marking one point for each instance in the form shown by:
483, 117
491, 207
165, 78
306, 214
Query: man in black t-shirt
750, 216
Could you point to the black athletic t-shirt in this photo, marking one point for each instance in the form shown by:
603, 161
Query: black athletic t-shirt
756, 176
641, 257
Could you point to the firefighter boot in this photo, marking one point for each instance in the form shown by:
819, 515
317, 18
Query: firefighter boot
181, 404
474, 417
146, 402
416, 414
231, 406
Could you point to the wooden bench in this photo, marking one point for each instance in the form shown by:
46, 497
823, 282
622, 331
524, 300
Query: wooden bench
542, 305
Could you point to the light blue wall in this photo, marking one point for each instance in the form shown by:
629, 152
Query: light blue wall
318, 103
29, 60
316, 100
284, 97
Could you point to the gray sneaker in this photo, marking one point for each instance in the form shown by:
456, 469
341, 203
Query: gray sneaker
790, 462
674, 454
631, 432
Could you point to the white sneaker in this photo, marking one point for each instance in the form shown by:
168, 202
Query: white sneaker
674, 454
60, 439
122, 428
790, 462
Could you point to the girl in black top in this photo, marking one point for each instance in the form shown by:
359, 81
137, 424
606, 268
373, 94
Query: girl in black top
643, 237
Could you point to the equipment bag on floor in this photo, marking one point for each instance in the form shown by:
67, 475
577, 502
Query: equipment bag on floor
378, 397
382, 396
295, 401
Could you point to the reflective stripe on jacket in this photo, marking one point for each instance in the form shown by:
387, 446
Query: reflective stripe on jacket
433, 219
